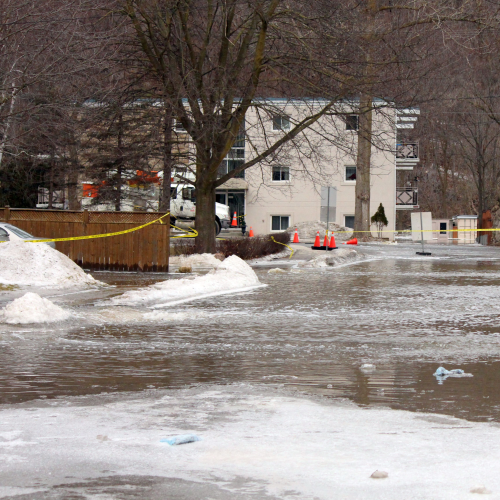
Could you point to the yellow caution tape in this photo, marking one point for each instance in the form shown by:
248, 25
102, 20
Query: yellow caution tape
272, 237
106, 235
418, 230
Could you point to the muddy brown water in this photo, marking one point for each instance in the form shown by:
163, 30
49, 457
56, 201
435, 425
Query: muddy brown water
311, 330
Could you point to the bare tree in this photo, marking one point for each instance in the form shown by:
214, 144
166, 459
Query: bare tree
209, 60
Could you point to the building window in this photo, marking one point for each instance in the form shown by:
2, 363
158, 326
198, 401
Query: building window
179, 127
350, 173
281, 122
351, 122
349, 221
443, 227
235, 157
280, 222
281, 174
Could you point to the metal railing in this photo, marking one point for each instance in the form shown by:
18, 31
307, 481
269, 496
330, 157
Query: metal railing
407, 151
407, 196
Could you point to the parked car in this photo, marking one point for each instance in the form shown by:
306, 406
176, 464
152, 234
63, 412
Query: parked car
9, 232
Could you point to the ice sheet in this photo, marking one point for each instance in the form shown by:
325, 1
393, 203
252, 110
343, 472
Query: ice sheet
282, 444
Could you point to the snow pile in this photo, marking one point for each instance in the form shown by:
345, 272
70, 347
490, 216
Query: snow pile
39, 265
333, 258
233, 274
307, 230
203, 260
31, 308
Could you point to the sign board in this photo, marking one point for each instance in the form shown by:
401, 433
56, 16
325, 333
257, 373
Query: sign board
421, 221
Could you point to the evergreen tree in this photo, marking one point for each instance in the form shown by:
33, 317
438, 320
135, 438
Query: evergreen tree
379, 219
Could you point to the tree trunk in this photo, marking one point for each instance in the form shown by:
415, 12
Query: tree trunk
167, 159
119, 167
51, 186
74, 202
205, 207
362, 207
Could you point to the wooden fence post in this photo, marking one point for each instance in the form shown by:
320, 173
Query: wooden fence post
6, 213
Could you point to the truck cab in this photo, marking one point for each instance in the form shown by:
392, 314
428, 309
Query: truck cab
183, 208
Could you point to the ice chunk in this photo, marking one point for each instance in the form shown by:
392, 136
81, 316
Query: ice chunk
38, 264
367, 368
481, 490
181, 439
233, 274
31, 308
379, 474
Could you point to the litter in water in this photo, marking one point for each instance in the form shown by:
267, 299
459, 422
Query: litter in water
181, 439
442, 374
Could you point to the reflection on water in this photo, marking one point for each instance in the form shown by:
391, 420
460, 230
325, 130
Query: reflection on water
309, 330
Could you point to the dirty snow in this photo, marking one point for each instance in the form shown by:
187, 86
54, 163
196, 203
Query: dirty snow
204, 261
37, 264
233, 274
254, 442
333, 258
307, 230
31, 308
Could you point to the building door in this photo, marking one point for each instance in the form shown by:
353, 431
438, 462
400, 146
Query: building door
236, 202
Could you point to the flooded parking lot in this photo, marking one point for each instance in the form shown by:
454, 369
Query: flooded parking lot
308, 329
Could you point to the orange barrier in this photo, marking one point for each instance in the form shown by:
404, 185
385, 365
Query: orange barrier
332, 245
325, 241
250, 234
234, 223
296, 237
316, 241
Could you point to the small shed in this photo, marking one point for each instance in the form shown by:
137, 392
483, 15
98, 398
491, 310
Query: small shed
440, 229
466, 228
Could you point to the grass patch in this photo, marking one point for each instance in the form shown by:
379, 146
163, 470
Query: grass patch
7, 288
245, 248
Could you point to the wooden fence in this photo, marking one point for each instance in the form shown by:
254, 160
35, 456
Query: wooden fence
144, 250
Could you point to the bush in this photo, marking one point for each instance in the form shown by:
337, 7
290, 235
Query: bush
253, 248
244, 247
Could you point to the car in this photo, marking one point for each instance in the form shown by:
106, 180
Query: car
9, 232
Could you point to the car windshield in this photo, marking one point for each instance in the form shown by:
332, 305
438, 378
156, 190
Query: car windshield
18, 232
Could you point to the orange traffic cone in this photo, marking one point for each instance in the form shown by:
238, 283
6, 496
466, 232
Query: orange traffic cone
316, 241
234, 223
332, 245
325, 241
354, 241
250, 234
296, 237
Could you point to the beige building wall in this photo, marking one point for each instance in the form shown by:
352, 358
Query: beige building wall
315, 159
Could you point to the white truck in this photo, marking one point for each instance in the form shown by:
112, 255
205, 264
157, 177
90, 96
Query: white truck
183, 208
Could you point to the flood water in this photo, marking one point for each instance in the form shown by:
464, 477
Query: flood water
309, 329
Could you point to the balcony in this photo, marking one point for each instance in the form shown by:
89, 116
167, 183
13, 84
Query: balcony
407, 155
406, 198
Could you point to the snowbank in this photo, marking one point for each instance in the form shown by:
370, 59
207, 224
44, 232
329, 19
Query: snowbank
334, 258
233, 274
38, 264
203, 260
31, 308
256, 443
307, 230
